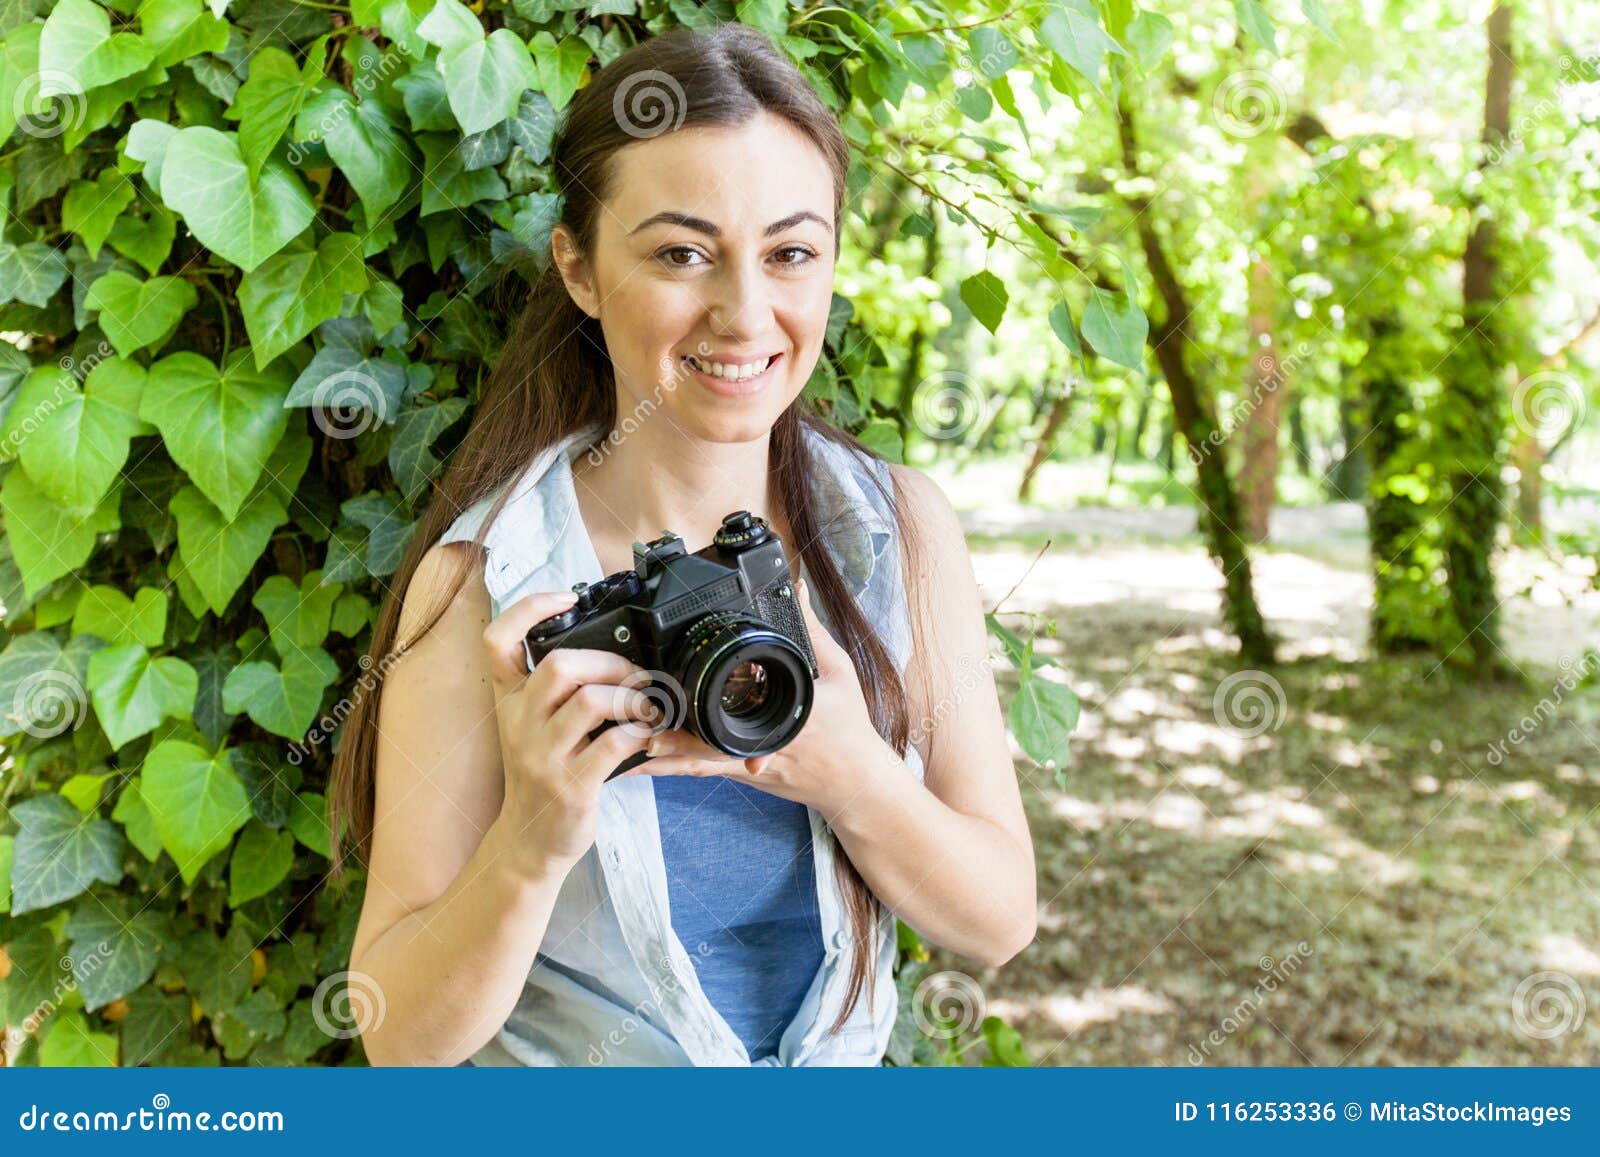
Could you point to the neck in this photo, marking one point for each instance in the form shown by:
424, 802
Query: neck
636, 484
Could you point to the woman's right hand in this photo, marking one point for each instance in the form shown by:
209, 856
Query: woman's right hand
553, 770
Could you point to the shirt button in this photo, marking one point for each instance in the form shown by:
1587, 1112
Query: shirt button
841, 940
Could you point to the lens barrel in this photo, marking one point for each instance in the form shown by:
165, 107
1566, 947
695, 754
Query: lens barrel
748, 688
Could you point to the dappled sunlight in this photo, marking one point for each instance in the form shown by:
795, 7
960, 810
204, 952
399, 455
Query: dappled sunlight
1095, 1005
1567, 953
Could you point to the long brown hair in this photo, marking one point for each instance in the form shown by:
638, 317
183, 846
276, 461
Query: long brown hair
554, 377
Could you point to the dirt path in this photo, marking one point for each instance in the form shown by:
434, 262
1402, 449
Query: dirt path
1352, 877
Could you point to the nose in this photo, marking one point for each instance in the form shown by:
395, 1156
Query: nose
739, 306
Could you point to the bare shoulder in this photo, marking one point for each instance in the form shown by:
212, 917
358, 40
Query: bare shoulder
926, 503
449, 583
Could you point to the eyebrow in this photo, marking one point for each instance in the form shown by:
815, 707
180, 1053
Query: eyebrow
701, 225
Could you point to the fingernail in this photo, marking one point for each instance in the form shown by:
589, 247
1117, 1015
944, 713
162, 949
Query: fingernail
654, 746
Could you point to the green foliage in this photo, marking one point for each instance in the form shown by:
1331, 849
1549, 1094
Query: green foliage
219, 217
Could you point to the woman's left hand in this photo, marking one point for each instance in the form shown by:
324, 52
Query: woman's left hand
821, 765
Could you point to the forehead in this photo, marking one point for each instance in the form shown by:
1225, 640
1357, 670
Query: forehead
742, 178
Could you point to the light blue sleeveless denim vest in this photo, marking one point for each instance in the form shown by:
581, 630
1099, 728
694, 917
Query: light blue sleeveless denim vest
611, 983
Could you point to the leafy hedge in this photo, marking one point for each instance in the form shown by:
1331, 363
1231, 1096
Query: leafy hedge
246, 268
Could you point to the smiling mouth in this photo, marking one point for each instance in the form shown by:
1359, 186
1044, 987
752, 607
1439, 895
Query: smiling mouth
731, 372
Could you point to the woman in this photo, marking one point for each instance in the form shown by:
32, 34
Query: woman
519, 908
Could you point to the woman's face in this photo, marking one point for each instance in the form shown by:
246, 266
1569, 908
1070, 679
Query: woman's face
712, 275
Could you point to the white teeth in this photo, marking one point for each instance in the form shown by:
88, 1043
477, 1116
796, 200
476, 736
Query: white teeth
728, 371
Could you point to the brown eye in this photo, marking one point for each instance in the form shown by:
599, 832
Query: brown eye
804, 254
666, 255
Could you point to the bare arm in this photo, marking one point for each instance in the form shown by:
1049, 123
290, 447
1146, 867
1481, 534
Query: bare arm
467, 858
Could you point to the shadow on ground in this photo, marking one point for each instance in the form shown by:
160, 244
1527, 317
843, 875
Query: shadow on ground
1341, 861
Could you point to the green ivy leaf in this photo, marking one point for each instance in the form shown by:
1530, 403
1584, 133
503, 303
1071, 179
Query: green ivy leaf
255, 1019
78, 51
176, 30
116, 944
308, 820
60, 852
80, 435
283, 699
196, 801
111, 615
1116, 327
47, 539
219, 425
31, 272
269, 100
70, 1043
411, 458
370, 149
216, 553
291, 293
560, 66
7, 850
147, 240
205, 180
261, 861
91, 207
137, 823
297, 617
134, 692
140, 314
484, 76
985, 295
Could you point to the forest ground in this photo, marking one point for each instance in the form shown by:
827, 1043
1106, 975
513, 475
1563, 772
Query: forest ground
1359, 884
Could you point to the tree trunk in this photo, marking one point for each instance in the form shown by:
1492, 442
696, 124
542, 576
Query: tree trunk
1259, 440
1472, 412
1046, 443
1404, 596
1195, 417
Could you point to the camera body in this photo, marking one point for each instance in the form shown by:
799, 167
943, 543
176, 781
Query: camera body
720, 633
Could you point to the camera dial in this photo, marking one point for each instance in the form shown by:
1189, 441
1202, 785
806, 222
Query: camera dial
742, 529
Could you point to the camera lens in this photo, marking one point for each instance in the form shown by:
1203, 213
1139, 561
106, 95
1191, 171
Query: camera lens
748, 687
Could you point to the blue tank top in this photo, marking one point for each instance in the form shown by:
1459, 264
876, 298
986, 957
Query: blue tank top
743, 898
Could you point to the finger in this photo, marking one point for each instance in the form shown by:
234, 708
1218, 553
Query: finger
564, 670
827, 650
503, 637
756, 764
607, 751
592, 704
681, 742
686, 765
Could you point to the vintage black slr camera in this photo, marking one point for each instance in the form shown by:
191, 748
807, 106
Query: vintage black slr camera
720, 632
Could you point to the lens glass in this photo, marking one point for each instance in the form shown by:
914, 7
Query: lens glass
746, 689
